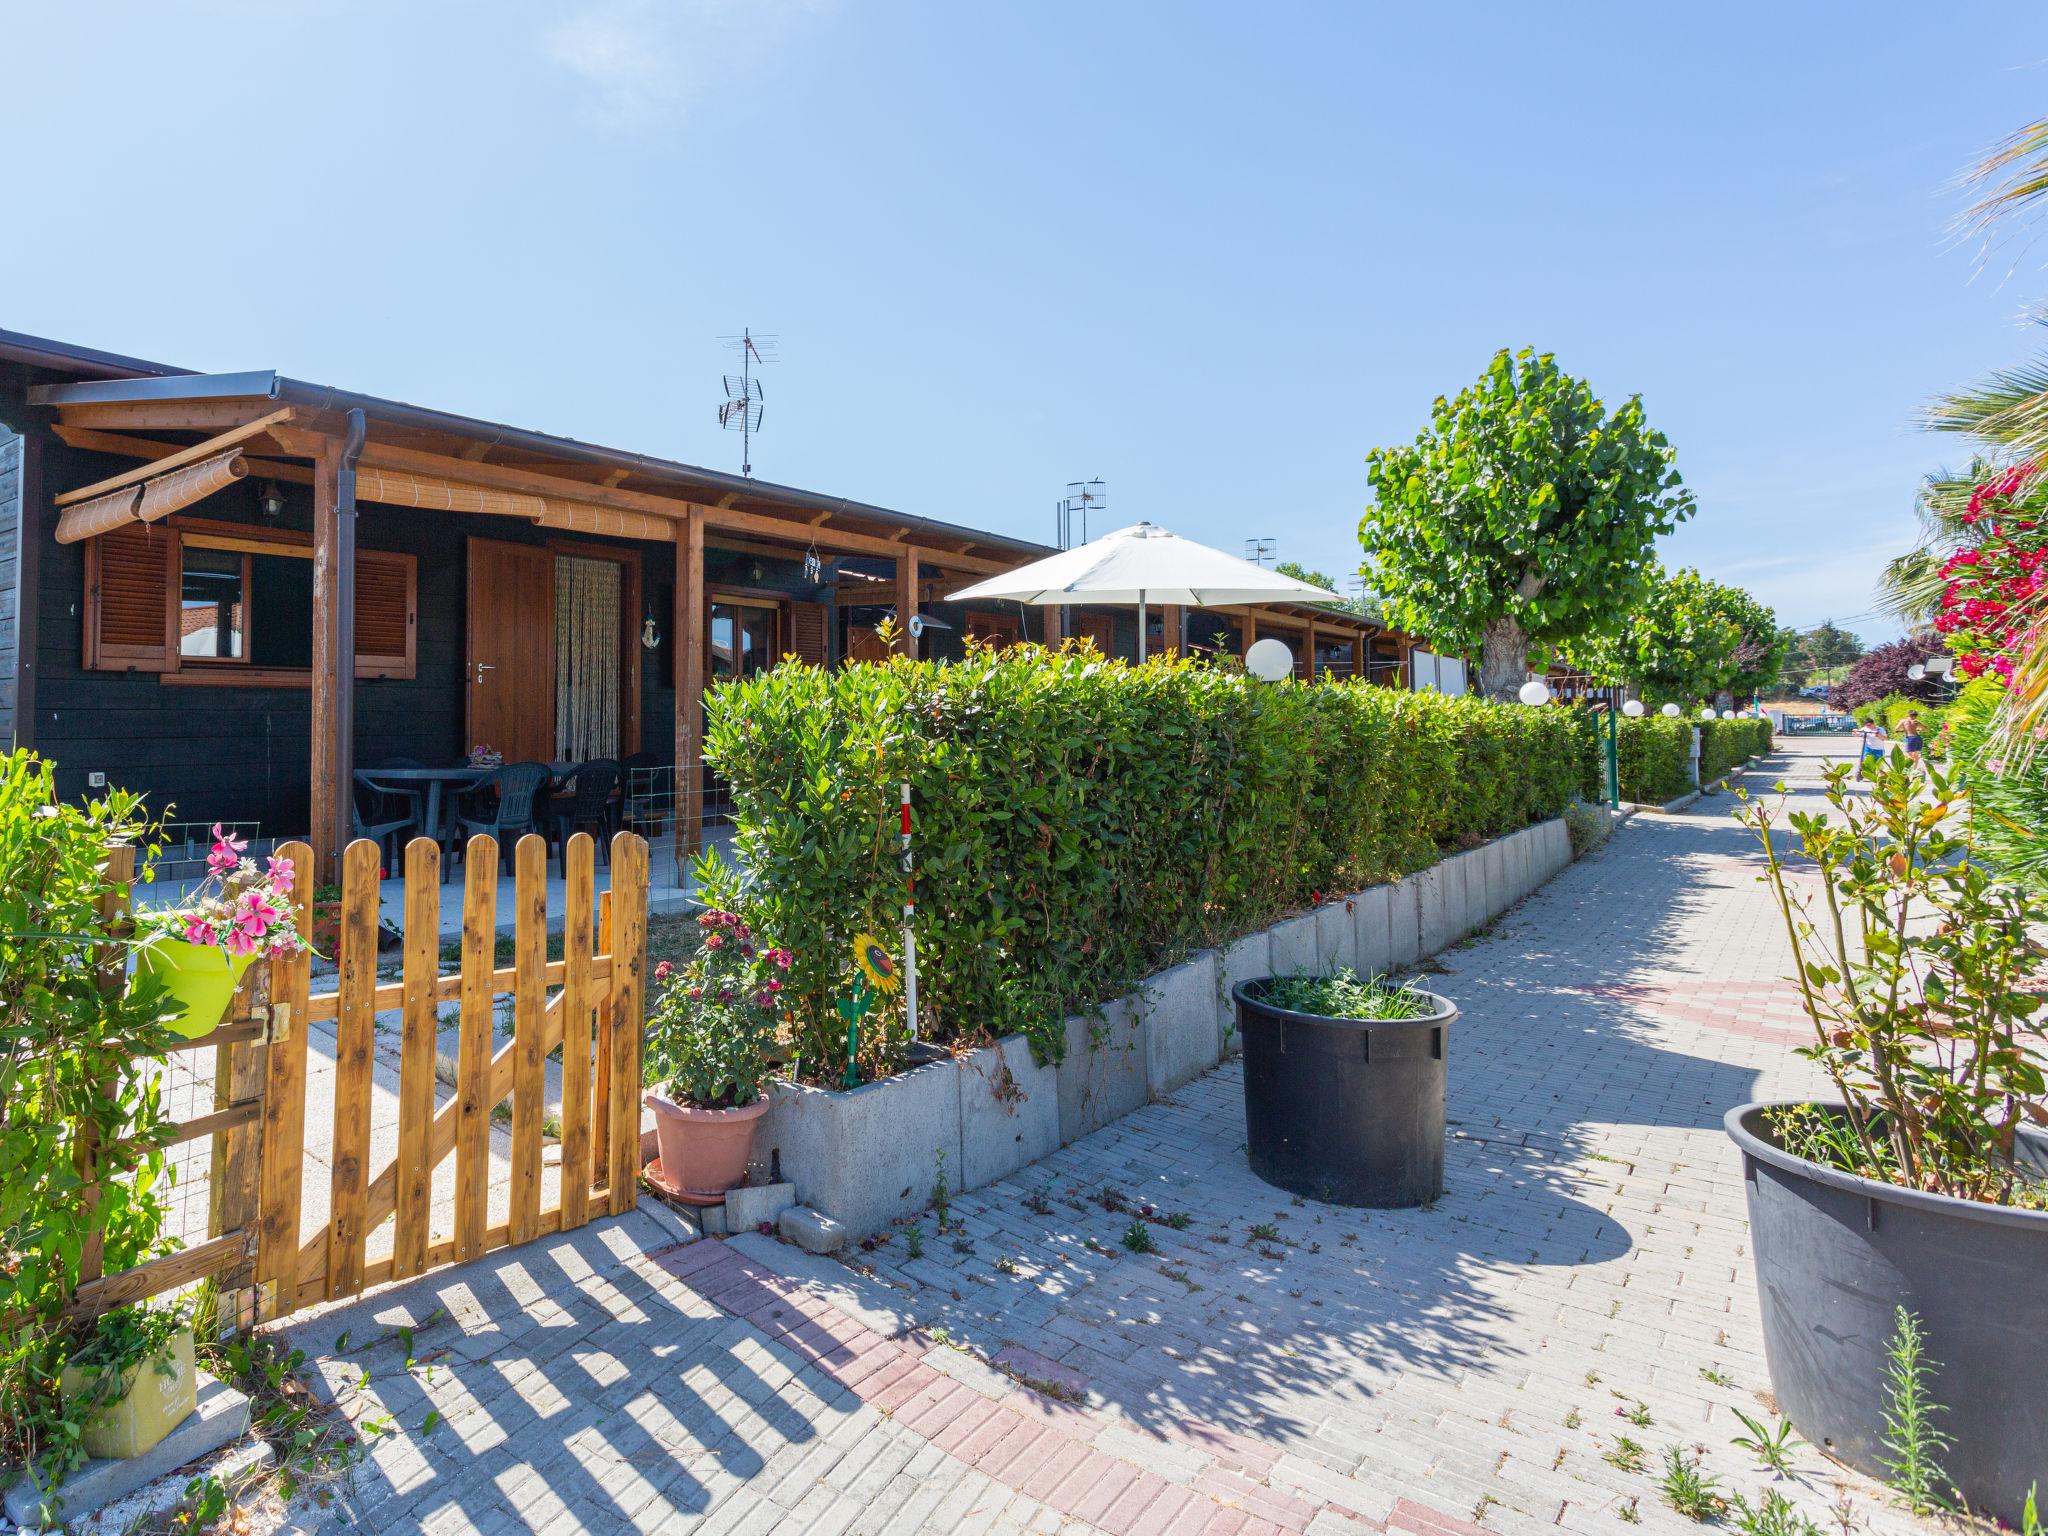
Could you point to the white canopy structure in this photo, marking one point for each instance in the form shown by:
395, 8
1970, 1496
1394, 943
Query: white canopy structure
1143, 564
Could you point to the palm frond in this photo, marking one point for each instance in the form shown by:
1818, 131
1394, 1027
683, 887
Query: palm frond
2008, 410
1910, 585
2013, 178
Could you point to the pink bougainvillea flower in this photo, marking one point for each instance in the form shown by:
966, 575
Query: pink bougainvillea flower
227, 851
774, 986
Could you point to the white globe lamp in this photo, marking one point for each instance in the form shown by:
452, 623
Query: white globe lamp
1727, 714
1707, 712
1670, 711
1269, 660
1535, 691
1633, 708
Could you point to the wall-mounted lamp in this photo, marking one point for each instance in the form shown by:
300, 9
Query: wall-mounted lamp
270, 501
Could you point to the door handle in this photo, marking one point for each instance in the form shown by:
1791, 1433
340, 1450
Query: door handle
481, 668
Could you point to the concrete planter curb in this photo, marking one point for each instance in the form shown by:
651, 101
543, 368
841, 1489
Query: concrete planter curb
870, 1156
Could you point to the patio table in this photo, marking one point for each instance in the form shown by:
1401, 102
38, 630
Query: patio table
435, 780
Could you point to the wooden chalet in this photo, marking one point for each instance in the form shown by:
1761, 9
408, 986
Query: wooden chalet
186, 559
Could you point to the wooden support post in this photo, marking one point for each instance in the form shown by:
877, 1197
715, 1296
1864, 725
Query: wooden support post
1361, 650
328, 829
1172, 620
1055, 625
906, 600
1250, 637
688, 633
1309, 645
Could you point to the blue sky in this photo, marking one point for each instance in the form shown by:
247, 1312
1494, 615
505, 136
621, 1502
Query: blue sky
1212, 254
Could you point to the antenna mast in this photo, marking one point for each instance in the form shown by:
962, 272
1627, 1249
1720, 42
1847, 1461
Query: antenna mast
741, 410
1082, 497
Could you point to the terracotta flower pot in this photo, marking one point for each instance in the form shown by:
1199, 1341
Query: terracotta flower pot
703, 1151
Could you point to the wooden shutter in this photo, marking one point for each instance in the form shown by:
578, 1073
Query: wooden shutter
1100, 628
129, 599
809, 632
995, 630
386, 614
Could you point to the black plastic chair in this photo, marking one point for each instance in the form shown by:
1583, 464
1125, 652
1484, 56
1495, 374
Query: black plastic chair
517, 785
384, 816
589, 806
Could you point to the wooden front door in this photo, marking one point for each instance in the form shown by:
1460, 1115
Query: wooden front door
509, 690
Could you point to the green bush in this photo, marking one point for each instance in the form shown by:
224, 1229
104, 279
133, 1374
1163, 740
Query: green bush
1655, 753
1727, 744
76, 1063
1081, 823
2008, 790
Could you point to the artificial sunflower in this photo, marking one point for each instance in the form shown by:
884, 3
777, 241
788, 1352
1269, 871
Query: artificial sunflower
874, 963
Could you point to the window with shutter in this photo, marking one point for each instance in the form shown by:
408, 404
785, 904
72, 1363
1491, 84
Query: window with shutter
239, 601
385, 614
808, 632
130, 599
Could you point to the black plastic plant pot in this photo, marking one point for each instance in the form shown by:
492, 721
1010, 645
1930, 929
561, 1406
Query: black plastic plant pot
1346, 1111
1837, 1255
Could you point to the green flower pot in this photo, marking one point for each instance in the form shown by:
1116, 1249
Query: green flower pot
201, 978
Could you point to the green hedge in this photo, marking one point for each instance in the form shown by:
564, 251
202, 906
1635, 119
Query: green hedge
1655, 754
1727, 744
1081, 823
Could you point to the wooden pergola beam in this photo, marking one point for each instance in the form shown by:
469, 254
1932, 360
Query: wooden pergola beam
165, 415
177, 458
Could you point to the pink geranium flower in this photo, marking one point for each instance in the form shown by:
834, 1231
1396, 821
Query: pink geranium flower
198, 931
240, 942
281, 874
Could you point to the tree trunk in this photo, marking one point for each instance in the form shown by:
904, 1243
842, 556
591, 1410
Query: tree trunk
1503, 660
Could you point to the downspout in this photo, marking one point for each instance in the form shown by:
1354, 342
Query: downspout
345, 627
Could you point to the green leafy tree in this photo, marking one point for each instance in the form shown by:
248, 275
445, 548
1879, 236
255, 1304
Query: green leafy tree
1525, 514
1301, 572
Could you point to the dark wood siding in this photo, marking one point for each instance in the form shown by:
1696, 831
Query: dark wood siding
10, 575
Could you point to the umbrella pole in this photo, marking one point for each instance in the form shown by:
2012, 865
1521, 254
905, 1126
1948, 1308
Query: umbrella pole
1141, 623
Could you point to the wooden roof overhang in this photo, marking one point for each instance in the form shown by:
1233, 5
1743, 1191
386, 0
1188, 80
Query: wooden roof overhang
418, 457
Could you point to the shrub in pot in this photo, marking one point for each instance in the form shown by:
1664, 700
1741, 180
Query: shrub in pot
1923, 1187
707, 1043
1344, 1087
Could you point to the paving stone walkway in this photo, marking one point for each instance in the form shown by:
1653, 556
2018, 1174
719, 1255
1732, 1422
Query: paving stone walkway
1268, 1365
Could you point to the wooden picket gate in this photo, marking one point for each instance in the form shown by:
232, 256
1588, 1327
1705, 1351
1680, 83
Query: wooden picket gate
255, 1247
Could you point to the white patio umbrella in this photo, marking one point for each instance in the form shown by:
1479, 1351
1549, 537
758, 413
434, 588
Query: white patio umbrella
1143, 564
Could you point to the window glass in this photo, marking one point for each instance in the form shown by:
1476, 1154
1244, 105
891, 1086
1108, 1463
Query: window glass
280, 611
210, 617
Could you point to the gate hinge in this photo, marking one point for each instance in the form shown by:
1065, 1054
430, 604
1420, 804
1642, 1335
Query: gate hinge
276, 1019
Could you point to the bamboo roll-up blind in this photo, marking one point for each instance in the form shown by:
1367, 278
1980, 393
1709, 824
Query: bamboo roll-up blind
397, 488
587, 517
152, 499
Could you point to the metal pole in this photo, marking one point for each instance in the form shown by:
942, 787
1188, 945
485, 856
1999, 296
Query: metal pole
909, 912
1141, 623
1613, 757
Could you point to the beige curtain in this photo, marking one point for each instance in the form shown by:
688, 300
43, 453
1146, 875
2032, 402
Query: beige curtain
586, 659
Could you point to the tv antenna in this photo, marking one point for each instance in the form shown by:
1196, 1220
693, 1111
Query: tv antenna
741, 409
1259, 551
1082, 497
